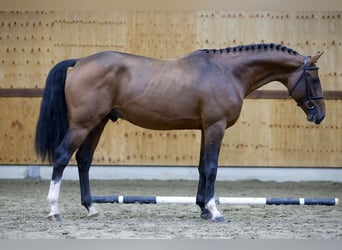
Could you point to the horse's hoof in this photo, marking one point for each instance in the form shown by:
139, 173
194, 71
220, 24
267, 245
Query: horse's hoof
55, 217
220, 220
206, 215
91, 216
92, 212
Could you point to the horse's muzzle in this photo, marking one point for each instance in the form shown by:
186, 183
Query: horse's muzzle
315, 117
320, 119
313, 111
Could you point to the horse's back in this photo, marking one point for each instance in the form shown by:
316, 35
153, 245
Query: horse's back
151, 93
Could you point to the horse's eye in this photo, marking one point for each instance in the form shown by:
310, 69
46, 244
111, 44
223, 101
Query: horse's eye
315, 81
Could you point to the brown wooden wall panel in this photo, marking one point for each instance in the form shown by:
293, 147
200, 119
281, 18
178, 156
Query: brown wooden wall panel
17, 128
32, 42
307, 32
269, 133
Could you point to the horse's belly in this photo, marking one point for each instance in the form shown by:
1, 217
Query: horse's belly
160, 119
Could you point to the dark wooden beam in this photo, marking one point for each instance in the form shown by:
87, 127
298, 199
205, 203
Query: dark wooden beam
21, 92
259, 94
280, 94
269, 94
333, 94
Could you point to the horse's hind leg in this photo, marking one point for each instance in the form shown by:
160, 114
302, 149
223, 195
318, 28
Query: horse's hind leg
70, 143
84, 157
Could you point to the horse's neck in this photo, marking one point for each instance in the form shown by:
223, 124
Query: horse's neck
254, 70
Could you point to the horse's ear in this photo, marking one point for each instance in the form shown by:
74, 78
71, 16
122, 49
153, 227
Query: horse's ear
315, 58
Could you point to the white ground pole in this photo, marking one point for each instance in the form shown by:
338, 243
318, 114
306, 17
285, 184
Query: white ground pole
218, 200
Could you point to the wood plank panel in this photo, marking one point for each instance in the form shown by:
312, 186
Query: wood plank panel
268, 133
17, 128
32, 42
304, 31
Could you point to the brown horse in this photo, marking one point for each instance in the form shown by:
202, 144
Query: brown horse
203, 90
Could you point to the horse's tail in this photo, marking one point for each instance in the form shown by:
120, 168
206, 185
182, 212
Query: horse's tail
53, 120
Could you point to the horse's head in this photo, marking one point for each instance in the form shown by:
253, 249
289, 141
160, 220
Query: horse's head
305, 88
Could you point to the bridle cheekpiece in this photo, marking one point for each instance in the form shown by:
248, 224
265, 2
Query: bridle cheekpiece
309, 99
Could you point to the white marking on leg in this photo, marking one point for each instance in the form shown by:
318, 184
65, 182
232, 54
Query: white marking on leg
211, 206
53, 197
92, 211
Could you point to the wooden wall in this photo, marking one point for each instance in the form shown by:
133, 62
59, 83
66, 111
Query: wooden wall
270, 132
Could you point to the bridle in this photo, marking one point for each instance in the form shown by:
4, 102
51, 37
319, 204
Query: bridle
309, 99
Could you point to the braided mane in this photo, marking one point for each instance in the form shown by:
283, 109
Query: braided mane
253, 47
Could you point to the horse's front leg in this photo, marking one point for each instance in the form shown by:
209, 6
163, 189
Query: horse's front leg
200, 198
213, 136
